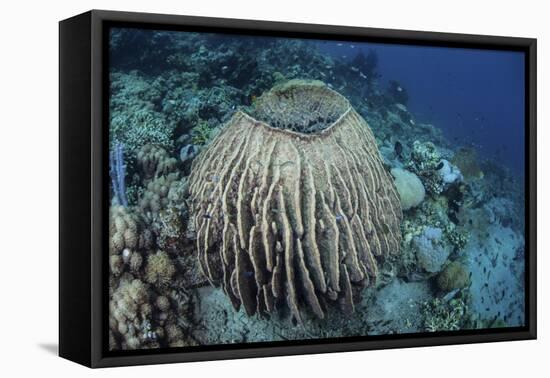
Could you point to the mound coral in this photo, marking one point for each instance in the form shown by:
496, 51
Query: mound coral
410, 188
294, 207
431, 251
467, 161
454, 276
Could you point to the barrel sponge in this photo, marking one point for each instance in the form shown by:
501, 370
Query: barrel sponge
410, 188
293, 207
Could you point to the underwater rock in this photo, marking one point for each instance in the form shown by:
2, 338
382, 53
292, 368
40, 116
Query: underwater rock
431, 252
454, 276
295, 209
410, 188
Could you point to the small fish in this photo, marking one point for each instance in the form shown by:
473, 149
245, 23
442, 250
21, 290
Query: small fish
224, 68
207, 216
362, 75
399, 89
248, 274
354, 69
352, 46
339, 44
339, 217
398, 148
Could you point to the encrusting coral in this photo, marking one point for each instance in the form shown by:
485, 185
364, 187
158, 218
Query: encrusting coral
294, 206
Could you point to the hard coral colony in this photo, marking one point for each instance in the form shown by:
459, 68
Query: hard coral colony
265, 190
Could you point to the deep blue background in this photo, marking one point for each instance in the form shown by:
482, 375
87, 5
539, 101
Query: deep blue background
475, 96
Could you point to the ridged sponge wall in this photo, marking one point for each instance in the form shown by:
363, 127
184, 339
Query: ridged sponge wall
296, 215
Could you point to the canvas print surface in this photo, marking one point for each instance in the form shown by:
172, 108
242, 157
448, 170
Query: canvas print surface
273, 189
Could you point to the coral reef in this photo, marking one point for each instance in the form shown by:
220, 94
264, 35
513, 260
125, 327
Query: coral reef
218, 175
286, 216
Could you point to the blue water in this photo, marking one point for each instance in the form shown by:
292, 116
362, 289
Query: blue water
475, 96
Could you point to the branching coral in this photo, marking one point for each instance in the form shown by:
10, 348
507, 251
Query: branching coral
296, 214
440, 315
458, 237
159, 269
133, 119
201, 133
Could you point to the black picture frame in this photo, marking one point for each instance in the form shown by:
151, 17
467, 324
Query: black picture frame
83, 181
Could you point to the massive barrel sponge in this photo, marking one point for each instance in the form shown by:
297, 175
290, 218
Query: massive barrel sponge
293, 206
